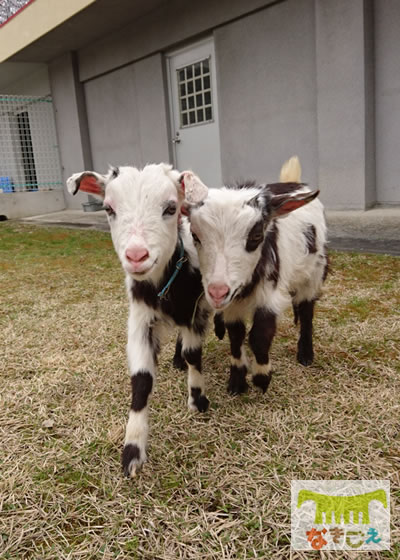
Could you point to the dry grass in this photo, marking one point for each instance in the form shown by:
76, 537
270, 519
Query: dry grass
217, 486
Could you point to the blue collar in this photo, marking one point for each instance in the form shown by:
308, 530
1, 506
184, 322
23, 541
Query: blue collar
178, 265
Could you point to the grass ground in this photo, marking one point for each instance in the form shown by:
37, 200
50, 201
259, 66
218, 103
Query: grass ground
217, 486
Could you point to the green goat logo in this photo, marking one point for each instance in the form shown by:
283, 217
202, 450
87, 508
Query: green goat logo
341, 505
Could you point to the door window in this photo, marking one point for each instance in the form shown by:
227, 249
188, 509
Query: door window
194, 88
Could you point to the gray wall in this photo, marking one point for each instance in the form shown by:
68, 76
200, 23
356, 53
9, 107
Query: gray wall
346, 176
387, 72
71, 122
267, 92
173, 22
127, 115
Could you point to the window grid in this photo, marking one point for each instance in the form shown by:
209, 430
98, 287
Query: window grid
194, 93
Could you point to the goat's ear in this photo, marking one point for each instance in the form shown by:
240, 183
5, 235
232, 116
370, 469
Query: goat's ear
88, 182
194, 190
283, 204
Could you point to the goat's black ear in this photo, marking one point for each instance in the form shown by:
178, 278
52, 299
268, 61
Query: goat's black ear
280, 205
88, 182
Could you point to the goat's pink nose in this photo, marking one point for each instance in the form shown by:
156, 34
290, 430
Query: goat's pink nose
137, 255
218, 291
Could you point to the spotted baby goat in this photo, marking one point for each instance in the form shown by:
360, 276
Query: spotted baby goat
256, 255
152, 243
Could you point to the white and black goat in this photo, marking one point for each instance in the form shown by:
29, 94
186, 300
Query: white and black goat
256, 256
163, 282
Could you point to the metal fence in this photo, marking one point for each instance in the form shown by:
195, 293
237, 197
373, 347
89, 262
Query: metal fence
29, 158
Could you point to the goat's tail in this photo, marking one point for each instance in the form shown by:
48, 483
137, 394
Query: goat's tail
291, 171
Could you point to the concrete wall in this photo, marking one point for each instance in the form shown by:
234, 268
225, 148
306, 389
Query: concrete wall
71, 122
127, 115
267, 92
23, 204
160, 29
387, 73
343, 93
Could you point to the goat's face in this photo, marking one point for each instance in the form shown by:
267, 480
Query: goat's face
229, 228
143, 208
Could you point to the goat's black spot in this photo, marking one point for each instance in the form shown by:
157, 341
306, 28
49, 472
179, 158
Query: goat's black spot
295, 313
311, 239
115, 172
219, 325
284, 188
130, 453
178, 361
145, 291
262, 380
305, 353
262, 334
326, 266
200, 401
268, 264
272, 260
153, 342
237, 383
142, 384
182, 297
237, 332
193, 357
255, 236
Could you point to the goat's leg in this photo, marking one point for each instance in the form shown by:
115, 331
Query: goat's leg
178, 360
219, 325
260, 339
237, 380
191, 351
142, 348
305, 352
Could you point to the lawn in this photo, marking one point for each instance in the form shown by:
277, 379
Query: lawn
216, 486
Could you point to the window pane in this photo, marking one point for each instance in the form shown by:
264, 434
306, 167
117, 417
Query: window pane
194, 86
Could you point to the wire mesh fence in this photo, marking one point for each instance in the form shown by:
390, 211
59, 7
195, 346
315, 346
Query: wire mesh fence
29, 157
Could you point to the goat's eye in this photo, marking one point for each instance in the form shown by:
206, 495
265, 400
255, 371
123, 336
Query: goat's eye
110, 211
195, 238
170, 210
256, 238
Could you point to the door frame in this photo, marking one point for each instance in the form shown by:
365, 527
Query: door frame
171, 109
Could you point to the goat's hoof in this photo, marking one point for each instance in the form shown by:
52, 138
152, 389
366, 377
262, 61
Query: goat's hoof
237, 386
305, 357
179, 363
262, 381
198, 402
132, 460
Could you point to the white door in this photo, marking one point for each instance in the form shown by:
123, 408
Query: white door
194, 111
